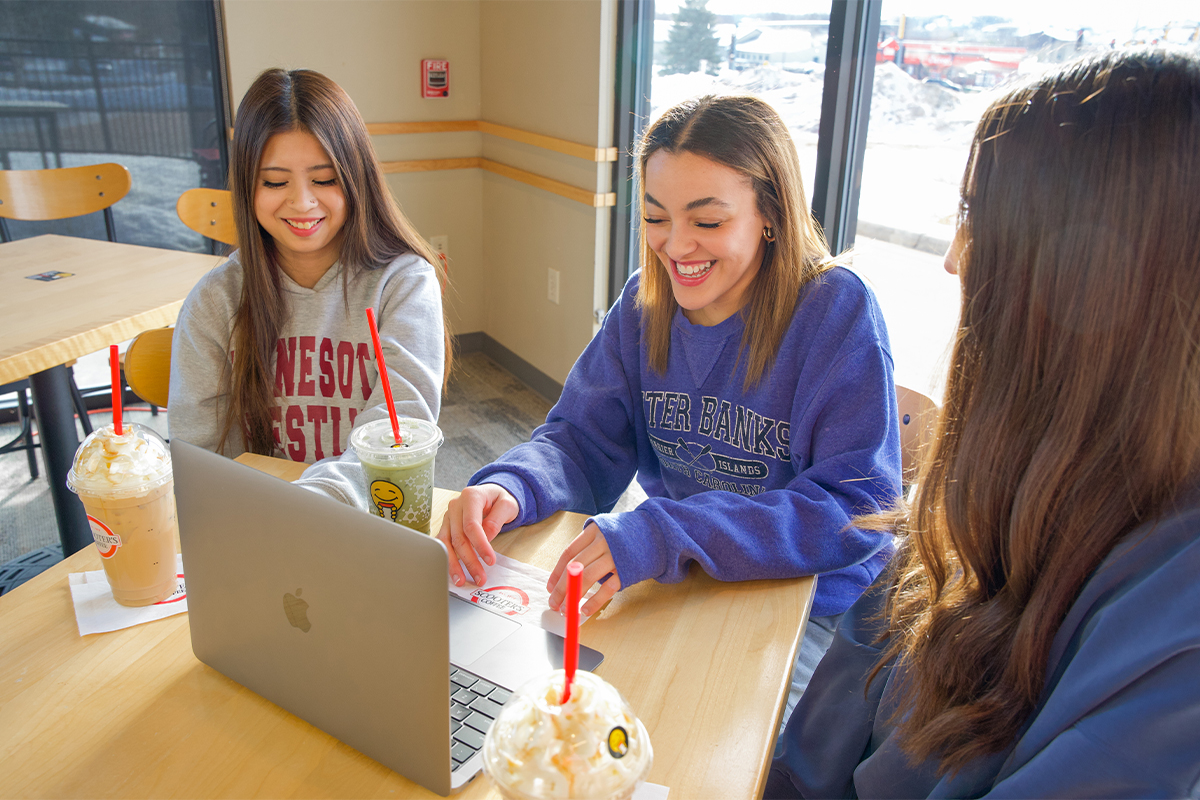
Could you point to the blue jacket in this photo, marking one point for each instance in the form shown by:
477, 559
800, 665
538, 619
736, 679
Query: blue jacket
1119, 715
792, 459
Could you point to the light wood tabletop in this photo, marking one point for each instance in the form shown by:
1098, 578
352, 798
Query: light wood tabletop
115, 292
111, 292
704, 664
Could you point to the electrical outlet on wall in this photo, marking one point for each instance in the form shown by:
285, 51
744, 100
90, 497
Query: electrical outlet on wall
440, 244
552, 285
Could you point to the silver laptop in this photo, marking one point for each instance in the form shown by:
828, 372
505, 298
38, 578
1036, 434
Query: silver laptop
345, 620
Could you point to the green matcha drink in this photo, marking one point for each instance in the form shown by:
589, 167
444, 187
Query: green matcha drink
399, 477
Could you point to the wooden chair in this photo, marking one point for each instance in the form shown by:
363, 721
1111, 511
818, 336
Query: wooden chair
917, 416
209, 212
148, 365
47, 194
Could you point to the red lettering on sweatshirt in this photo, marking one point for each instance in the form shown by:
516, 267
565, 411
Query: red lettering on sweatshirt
295, 433
364, 358
326, 384
335, 415
345, 368
306, 387
317, 415
285, 365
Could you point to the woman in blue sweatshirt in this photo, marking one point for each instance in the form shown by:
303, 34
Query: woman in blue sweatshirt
1038, 634
744, 378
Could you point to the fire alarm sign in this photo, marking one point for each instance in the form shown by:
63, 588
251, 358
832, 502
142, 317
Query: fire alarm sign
435, 78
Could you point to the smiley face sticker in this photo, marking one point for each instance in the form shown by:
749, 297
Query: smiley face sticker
387, 498
618, 742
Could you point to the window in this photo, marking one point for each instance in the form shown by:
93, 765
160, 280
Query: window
920, 72
88, 81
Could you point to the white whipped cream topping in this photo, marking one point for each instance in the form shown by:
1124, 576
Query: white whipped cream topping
137, 460
541, 748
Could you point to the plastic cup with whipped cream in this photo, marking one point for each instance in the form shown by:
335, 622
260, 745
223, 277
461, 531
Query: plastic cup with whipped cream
127, 489
590, 748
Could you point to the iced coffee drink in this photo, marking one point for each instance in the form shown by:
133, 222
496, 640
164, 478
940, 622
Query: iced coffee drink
399, 475
590, 748
128, 493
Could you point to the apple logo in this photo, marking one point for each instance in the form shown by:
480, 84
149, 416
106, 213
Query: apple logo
297, 611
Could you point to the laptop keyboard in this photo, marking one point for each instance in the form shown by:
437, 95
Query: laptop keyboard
474, 703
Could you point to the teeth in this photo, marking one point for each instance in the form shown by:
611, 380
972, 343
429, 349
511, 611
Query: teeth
691, 270
295, 223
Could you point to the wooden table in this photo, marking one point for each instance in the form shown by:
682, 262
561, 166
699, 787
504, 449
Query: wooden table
115, 292
134, 714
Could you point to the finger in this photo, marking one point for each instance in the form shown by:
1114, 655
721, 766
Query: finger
605, 593
463, 548
474, 505
557, 583
503, 510
453, 514
597, 563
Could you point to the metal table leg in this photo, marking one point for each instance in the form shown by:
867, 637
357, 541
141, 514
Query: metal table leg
60, 440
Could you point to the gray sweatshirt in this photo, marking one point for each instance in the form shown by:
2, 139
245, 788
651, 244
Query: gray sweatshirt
326, 379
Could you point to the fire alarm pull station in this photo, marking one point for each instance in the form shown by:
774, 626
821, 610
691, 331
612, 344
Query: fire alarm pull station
435, 78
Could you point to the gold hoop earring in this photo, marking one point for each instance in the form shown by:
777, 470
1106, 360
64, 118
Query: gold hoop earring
768, 234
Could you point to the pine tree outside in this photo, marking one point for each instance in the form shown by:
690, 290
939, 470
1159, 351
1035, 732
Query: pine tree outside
692, 44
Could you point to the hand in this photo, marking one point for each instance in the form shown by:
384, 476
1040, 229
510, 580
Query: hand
472, 520
591, 550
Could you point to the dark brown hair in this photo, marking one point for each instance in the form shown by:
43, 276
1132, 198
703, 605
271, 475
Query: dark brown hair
1072, 409
746, 135
375, 232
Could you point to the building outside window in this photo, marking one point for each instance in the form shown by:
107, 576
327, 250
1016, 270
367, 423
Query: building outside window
938, 64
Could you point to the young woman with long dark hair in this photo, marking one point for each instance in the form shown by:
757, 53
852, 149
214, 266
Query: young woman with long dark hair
743, 376
1037, 633
272, 351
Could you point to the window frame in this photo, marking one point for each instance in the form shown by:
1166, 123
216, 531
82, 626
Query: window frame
841, 139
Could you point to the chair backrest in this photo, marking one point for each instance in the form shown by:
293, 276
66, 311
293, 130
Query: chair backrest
45, 194
208, 212
148, 365
917, 416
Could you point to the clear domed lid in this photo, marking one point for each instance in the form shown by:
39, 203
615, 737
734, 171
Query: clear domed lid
590, 747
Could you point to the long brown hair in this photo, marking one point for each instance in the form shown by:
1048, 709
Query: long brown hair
375, 232
1072, 409
748, 136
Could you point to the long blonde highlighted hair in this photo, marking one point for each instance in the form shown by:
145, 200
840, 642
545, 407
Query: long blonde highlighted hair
747, 135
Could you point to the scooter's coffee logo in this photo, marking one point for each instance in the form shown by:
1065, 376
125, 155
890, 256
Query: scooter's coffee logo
506, 599
107, 542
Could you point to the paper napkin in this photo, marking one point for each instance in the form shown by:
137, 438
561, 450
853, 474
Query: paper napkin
97, 612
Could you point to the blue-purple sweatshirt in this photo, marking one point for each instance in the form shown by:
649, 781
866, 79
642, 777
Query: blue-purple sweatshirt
757, 483
1119, 714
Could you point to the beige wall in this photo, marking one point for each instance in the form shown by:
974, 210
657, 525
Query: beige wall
539, 65
546, 67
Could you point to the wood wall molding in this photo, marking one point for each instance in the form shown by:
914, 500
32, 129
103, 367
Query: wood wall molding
586, 152
593, 199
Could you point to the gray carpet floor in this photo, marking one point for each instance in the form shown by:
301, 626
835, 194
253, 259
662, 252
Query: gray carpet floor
485, 411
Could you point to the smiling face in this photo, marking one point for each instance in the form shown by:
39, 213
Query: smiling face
299, 202
702, 222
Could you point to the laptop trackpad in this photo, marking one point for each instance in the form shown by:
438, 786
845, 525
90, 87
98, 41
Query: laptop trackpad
474, 631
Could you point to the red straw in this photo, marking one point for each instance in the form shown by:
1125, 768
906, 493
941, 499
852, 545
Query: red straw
571, 654
114, 362
383, 376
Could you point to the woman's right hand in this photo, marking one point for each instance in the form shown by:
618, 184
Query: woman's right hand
472, 520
